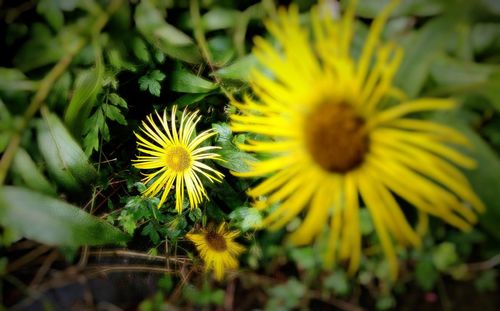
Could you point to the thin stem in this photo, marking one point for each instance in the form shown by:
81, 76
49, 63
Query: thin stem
44, 88
199, 35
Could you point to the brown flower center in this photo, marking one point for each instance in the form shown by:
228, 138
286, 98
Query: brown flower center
177, 158
216, 241
336, 137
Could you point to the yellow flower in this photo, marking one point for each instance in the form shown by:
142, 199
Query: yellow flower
217, 249
176, 157
334, 130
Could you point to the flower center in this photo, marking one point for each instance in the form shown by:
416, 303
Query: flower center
177, 158
215, 241
336, 137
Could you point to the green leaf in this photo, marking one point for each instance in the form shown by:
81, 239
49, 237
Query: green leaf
222, 50
432, 39
235, 160
117, 100
338, 282
286, 296
151, 82
365, 222
167, 38
486, 37
444, 256
186, 82
88, 84
13, 80
487, 281
219, 18
457, 77
238, 70
426, 274
52, 13
484, 179
305, 257
41, 50
247, 217
24, 167
140, 50
371, 9
189, 99
66, 161
451, 72
54, 222
113, 113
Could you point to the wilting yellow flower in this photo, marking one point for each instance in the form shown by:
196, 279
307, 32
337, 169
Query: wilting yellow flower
217, 249
176, 157
334, 129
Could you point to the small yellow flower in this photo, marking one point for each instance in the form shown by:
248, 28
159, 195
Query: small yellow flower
217, 249
334, 131
176, 157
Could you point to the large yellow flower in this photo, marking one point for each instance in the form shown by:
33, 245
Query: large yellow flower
176, 157
217, 249
334, 130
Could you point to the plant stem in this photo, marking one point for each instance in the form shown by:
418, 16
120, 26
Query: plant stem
199, 35
44, 88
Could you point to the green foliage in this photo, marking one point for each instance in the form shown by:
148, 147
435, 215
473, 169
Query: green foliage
96, 126
151, 82
186, 82
27, 173
50, 221
285, 296
205, 296
66, 161
120, 64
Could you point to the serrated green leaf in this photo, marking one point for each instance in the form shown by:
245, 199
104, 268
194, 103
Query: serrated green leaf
157, 75
52, 221
151, 82
91, 140
24, 167
113, 113
66, 161
117, 100
186, 82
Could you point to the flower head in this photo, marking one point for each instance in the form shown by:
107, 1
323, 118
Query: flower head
175, 156
337, 136
217, 248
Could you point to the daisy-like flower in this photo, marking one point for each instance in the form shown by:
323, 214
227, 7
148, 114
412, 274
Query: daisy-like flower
176, 158
335, 131
217, 249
